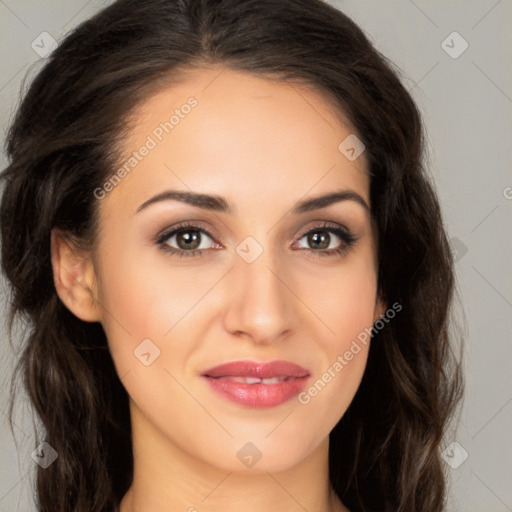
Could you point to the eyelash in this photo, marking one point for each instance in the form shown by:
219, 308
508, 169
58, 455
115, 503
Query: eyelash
344, 234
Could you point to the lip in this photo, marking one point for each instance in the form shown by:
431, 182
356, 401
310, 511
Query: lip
228, 380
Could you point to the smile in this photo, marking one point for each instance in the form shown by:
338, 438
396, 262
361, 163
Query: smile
257, 385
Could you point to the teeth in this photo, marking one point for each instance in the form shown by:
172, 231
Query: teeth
255, 380
273, 380
251, 380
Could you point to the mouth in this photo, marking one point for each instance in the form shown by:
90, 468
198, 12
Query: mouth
257, 385
253, 380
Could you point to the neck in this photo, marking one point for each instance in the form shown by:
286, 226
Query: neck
168, 479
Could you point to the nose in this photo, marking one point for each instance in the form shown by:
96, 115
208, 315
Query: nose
260, 303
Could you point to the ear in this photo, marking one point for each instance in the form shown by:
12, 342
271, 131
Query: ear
74, 278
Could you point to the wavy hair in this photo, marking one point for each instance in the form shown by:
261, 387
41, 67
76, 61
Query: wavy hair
63, 143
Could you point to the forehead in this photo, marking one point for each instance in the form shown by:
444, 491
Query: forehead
229, 132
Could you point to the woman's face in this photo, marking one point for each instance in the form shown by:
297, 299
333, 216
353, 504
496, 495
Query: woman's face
244, 281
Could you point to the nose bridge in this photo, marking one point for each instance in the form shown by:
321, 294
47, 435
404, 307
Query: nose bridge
260, 304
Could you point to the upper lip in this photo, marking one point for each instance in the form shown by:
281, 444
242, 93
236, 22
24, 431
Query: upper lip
258, 370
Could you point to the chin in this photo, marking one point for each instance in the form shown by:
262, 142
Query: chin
263, 456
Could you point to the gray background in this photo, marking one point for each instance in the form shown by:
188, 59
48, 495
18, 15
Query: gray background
467, 105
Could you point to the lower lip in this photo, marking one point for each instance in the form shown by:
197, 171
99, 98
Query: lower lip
258, 395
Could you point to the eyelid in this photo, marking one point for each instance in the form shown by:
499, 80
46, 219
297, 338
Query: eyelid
342, 232
198, 225
347, 236
325, 224
193, 224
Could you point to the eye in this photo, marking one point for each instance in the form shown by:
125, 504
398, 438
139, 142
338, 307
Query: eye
322, 238
185, 240
191, 240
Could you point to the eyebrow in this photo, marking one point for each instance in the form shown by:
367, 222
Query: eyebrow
220, 204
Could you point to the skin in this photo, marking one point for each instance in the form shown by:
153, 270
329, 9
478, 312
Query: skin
264, 146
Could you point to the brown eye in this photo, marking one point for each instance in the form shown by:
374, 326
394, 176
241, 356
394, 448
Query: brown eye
188, 239
185, 240
319, 239
328, 240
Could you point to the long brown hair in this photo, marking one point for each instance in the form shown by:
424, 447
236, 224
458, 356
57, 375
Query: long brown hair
63, 144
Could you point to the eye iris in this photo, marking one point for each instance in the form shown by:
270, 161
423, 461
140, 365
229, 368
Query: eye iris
320, 239
191, 239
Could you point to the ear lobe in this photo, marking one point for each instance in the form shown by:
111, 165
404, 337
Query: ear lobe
74, 278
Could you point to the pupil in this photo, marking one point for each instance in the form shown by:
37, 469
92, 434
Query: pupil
191, 241
320, 238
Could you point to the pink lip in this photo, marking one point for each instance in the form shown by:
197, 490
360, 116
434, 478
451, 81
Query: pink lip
293, 380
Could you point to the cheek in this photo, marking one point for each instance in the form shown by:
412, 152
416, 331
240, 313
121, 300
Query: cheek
347, 307
145, 295
343, 298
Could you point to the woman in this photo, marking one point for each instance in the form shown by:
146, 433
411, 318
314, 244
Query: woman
217, 222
